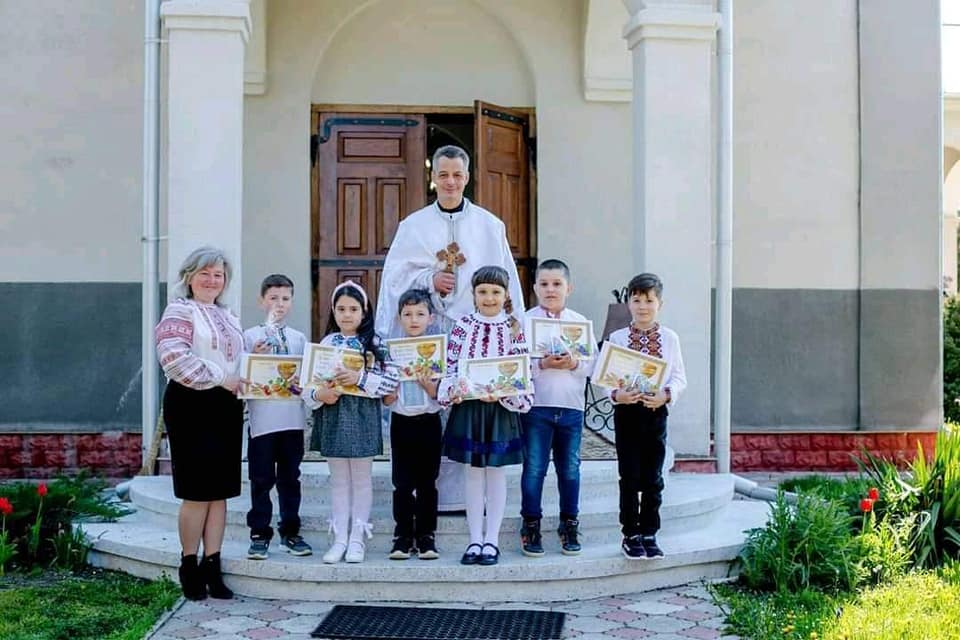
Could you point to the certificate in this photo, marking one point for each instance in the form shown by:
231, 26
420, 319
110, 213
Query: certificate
552, 337
412, 395
423, 354
499, 377
320, 362
622, 368
271, 377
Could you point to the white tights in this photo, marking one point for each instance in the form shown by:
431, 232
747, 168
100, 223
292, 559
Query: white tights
350, 476
485, 486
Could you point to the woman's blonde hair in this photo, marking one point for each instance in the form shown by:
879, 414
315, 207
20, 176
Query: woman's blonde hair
199, 259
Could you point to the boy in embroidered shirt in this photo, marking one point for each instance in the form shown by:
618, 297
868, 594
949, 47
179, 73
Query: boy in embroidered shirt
275, 447
640, 419
555, 422
416, 439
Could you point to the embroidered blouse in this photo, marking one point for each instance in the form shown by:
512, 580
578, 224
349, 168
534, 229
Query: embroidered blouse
199, 345
660, 342
377, 379
476, 336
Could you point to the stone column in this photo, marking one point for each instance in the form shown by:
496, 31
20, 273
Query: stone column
672, 48
206, 41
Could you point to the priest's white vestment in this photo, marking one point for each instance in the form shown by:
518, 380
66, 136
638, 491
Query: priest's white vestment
412, 261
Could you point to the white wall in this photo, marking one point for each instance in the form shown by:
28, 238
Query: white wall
796, 217
321, 52
70, 104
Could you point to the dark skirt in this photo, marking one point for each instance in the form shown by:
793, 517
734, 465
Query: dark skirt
483, 434
348, 428
206, 439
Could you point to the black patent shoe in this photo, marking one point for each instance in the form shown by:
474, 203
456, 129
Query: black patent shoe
470, 556
487, 559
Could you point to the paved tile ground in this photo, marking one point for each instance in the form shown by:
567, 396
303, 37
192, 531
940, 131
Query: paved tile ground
680, 613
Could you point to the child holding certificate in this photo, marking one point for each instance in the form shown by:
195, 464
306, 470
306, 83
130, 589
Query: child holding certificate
415, 440
640, 419
275, 448
555, 422
483, 432
346, 428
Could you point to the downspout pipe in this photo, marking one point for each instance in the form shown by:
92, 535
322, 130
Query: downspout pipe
722, 329
150, 287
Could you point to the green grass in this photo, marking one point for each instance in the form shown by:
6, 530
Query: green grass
775, 616
845, 490
97, 605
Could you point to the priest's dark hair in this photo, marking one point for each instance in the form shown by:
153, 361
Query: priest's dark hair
644, 283
365, 332
411, 297
492, 274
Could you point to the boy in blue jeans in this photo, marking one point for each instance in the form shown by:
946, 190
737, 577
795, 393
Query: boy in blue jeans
275, 447
640, 419
555, 422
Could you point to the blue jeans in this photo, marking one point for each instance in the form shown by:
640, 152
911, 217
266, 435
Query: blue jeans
546, 428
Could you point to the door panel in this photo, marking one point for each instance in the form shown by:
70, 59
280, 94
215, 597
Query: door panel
368, 175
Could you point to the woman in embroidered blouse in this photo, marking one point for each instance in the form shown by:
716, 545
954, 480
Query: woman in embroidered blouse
484, 434
199, 344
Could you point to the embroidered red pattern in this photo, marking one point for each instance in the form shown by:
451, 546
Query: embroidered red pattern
646, 341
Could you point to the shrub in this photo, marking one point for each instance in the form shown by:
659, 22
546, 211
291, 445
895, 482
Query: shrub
927, 496
951, 359
803, 546
847, 491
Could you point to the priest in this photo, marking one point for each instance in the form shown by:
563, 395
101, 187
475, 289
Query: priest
440, 246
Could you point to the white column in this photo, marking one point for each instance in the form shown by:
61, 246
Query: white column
205, 129
672, 47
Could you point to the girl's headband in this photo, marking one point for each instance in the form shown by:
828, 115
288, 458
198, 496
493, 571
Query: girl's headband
349, 283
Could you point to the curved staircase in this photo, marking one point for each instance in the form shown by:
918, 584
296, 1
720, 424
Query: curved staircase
702, 532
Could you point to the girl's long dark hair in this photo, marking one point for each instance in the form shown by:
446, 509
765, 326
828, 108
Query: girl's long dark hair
365, 332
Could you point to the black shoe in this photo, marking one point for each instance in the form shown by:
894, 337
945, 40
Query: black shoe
469, 556
650, 547
632, 548
190, 579
427, 548
569, 537
403, 548
487, 558
531, 543
213, 578
259, 548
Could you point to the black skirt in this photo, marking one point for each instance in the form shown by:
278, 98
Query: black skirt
205, 429
483, 434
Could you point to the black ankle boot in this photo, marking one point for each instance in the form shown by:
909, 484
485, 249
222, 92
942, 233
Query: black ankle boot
190, 579
530, 540
210, 570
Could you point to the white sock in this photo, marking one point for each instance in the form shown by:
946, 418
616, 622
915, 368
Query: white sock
339, 497
473, 493
496, 503
361, 485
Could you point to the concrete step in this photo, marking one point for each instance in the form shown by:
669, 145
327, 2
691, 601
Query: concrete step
691, 501
136, 545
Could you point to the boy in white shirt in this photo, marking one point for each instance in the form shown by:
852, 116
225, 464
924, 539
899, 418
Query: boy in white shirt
640, 419
275, 447
555, 422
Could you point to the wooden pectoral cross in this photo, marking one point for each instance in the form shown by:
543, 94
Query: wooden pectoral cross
451, 257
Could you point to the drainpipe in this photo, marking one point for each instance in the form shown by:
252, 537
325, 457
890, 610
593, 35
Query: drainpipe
722, 334
150, 287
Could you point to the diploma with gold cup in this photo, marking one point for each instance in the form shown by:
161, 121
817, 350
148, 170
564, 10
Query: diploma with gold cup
500, 377
321, 363
271, 377
422, 354
550, 336
622, 368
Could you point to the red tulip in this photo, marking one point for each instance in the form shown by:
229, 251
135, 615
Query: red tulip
873, 494
41, 490
866, 505
5, 507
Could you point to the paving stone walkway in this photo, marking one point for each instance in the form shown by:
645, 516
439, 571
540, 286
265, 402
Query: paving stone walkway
680, 613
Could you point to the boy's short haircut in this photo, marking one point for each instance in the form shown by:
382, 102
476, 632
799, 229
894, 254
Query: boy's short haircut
411, 297
645, 282
275, 280
552, 264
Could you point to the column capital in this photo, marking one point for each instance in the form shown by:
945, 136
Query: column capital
207, 15
669, 21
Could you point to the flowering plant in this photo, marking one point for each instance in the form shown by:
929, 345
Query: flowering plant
7, 549
33, 543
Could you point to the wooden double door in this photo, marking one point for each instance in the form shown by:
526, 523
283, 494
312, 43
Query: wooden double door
370, 170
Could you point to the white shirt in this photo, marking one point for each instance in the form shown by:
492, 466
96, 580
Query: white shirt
412, 262
675, 377
560, 387
271, 416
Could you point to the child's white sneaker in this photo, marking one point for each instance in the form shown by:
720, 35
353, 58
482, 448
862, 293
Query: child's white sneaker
335, 553
356, 551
